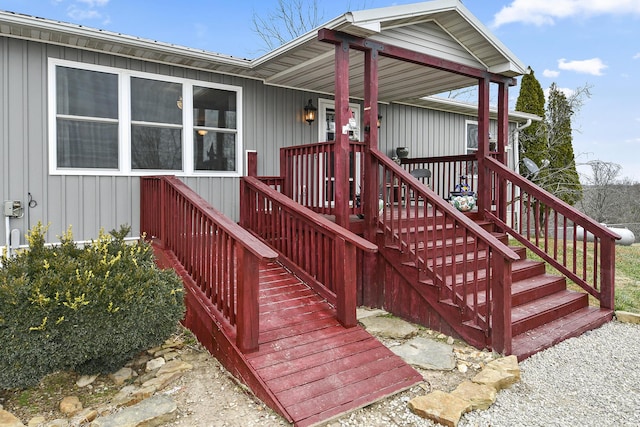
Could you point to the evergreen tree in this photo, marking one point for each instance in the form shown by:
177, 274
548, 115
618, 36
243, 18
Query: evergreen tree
533, 140
560, 177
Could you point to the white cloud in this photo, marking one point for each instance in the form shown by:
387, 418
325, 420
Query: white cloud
94, 3
636, 56
82, 14
567, 92
592, 66
546, 12
551, 73
82, 10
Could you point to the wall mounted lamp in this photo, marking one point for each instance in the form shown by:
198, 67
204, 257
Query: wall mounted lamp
310, 112
379, 120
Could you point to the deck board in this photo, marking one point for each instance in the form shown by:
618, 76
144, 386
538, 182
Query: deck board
316, 368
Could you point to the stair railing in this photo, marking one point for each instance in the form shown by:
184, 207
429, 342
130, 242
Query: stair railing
410, 209
220, 257
555, 231
314, 248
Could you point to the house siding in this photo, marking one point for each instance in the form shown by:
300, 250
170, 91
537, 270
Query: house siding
272, 118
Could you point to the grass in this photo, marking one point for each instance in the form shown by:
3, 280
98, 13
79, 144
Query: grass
627, 281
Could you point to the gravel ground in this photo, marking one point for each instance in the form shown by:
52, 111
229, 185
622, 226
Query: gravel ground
592, 380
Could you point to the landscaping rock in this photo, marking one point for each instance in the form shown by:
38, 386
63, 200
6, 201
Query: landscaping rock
154, 364
481, 396
7, 419
121, 376
426, 353
500, 373
154, 411
443, 408
389, 327
86, 380
70, 405
627, 317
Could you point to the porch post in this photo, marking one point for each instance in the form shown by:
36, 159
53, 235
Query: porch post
372, 282
503, 141
484, 183
342, 135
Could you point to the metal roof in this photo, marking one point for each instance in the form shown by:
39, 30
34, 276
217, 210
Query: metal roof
443, 28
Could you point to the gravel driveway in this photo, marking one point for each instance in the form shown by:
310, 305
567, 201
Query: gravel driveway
592, 380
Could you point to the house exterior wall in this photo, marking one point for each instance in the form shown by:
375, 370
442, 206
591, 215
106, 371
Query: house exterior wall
272, 118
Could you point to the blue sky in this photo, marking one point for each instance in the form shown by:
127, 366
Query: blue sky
570, 42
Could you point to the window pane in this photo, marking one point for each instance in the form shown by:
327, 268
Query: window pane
87, 144
215, 151
155, 101
214, 108
86, 93
156, 148
472, 138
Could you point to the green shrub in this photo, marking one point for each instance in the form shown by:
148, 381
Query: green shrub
86, 309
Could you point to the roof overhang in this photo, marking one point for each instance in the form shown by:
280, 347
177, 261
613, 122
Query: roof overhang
443, 28
464, 108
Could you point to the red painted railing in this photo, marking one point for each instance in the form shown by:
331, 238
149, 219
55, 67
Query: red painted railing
414, 217
310, 175
222, 259
549, 228
317, 250
446, 171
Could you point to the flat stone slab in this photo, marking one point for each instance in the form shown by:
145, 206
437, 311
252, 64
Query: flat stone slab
427, 354
389, 327
154, 411
627, 317
363, 312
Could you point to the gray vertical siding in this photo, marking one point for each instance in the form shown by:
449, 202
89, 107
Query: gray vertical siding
272, 118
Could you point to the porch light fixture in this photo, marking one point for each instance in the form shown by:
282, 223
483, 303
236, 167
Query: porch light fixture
379, 120
310, 112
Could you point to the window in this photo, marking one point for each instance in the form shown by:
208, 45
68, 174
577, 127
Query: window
106, 121
471, 137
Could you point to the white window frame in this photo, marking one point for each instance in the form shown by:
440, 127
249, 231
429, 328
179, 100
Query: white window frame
124, 124
466, 148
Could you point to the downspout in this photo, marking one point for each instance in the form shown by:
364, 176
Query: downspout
516, 162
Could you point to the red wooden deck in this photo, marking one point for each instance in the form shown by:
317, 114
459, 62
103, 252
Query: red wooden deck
316, 368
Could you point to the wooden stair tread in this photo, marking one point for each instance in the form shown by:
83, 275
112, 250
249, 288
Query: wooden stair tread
546, 309
571, 325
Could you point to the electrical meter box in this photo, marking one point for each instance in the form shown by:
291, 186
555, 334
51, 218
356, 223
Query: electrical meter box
13, 208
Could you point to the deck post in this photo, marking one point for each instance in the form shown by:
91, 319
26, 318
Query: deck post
607, 273
372, 282
247, 320
503, 140
341, 158
500, 282
345, 282
484, 184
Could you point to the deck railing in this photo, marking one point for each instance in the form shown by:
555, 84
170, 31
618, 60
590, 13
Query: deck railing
310, 175
320, 252
222, 259
414, 217
549, 228
446, 171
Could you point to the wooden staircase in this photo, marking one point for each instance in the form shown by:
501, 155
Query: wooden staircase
544, 310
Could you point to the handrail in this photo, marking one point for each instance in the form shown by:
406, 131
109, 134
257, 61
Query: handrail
538, 220
318, 250
434, 198
219, 256
411, 210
